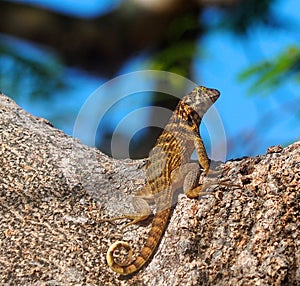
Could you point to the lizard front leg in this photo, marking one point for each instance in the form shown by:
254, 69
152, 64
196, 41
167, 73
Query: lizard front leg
203, 159
201, 154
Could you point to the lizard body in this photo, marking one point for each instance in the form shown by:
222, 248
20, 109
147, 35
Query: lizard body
166, 170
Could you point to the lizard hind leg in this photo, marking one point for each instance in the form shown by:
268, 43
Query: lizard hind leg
194, 191
191, 174
141, 205
142, 212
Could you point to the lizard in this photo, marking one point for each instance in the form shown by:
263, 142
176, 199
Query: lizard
168, 168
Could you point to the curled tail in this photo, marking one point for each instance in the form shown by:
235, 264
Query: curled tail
130, 266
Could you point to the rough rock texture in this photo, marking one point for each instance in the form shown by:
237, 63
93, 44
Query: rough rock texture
54, 192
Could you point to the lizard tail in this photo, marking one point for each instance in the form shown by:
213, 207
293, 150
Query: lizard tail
130, 266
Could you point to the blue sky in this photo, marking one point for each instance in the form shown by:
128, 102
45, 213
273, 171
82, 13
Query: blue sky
261, 118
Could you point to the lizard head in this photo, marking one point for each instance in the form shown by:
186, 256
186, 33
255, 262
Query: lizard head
201, 99
193, 106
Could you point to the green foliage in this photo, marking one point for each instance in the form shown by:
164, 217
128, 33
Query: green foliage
271, 73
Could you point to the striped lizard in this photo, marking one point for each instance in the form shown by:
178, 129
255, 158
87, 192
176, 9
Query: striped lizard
168, 168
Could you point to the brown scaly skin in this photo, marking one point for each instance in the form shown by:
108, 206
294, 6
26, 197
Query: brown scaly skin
166, 171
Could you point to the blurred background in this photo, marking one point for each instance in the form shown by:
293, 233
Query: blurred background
54, 54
